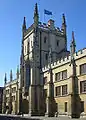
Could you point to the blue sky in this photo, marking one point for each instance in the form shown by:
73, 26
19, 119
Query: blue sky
11, 19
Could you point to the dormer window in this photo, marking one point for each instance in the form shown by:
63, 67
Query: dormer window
45, 38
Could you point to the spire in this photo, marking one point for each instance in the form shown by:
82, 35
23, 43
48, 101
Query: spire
5, 79
63, 19
63, 24
17, 74
63, 28
36, 16
73, 45
11, 76
24, 25
73, 39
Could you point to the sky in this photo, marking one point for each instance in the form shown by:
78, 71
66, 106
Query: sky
12, 13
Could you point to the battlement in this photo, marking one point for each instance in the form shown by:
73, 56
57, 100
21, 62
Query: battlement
46, 26
79, 54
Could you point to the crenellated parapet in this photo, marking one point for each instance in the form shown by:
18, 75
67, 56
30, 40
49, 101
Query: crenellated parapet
79, 54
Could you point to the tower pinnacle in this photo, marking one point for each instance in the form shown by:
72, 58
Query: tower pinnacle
73, 45
5, 79
24, 24
63, 19
11, 76
17, 74
63, 24
63, 28
36, 16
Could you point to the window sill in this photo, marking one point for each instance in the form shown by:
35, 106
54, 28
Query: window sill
61, 80
61, 95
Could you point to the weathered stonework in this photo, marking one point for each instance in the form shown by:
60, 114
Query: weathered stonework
44, 54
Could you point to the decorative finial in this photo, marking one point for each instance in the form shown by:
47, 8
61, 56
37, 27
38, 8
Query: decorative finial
17, 72
24, 24
36, 16
36, 10
11, 76
73, 45
73, 39
63, 28
63, 19
5, 79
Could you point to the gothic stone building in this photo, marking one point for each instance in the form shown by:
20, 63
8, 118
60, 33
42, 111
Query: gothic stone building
1, 98
51, 79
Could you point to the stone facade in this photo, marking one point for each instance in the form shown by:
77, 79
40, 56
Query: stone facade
11, 95
1, 98
61, 80
51, 78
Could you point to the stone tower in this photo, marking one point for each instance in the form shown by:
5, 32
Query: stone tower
36, 42
35, 86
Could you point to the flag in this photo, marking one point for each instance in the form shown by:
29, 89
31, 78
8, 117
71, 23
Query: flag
47, 12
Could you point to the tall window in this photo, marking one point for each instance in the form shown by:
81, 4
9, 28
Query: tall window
57, 43
65, 106
58, 90
64, 89
83, 86
64, 74
45, 38
46, 56
83, 68
57, 76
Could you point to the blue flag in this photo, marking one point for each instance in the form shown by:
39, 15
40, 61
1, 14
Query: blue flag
47, 12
